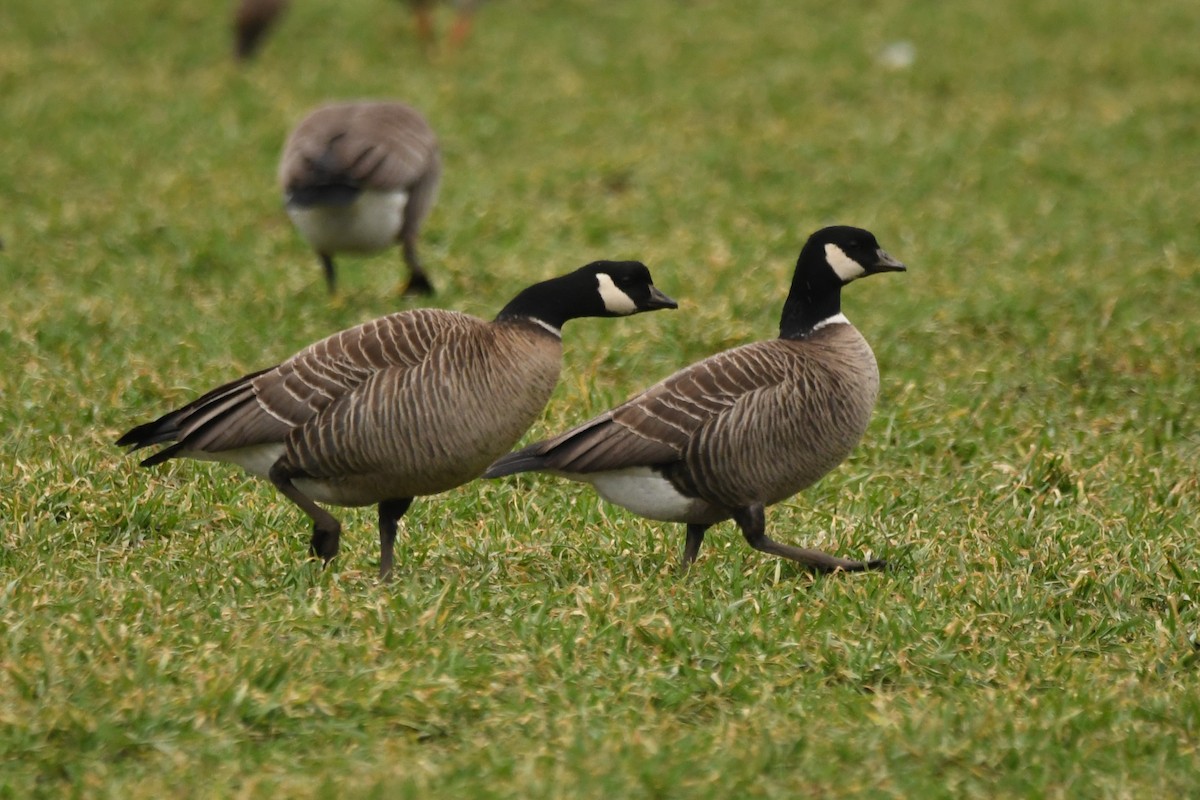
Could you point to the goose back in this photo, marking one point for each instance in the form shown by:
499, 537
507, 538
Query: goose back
363, 145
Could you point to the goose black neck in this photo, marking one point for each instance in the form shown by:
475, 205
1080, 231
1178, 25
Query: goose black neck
811, 301
546, 302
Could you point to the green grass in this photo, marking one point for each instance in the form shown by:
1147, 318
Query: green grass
1031, 469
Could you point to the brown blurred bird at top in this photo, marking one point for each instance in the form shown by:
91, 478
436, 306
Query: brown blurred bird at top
251, 21
460, 28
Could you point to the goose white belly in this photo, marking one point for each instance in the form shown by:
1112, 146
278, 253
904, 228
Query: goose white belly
350, 490
371, 223
259, 459
256, 460
645, 492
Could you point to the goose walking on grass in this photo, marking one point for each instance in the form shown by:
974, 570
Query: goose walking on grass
746, 428
411, 404
360, 177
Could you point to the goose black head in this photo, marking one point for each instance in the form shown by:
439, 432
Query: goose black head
624, 287
850, 253
600, 289
831, 258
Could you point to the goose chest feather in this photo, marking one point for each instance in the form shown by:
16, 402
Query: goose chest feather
744, 429
407, 405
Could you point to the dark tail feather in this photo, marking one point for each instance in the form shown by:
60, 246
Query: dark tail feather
526, 460
337, 195
149, 433
162, 455
168, 427
330, 181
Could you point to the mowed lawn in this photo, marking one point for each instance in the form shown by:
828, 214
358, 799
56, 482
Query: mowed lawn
1030, 472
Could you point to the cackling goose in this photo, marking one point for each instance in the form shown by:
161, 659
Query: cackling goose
411, 404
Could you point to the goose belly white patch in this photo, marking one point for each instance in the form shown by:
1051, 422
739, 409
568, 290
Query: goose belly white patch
370, 223
643, 491
257, 460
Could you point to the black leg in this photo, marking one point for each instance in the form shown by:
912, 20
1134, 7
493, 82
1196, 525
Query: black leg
418, 282
323, 545
753, 522
327, 531
330, 276
695, 538
390, 512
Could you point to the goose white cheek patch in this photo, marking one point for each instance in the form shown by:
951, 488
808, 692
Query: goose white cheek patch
615, 300
846, 267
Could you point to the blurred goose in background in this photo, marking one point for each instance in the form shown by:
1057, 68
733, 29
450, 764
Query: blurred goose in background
746, 428
251, 21
360, 177
460, 28
411, 404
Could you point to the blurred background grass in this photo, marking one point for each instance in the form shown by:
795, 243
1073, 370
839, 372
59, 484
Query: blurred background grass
1031, 467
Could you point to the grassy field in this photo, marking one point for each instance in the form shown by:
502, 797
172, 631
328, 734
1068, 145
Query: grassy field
1031, 469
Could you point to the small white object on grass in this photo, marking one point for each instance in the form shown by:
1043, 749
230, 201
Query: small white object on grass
898, 55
